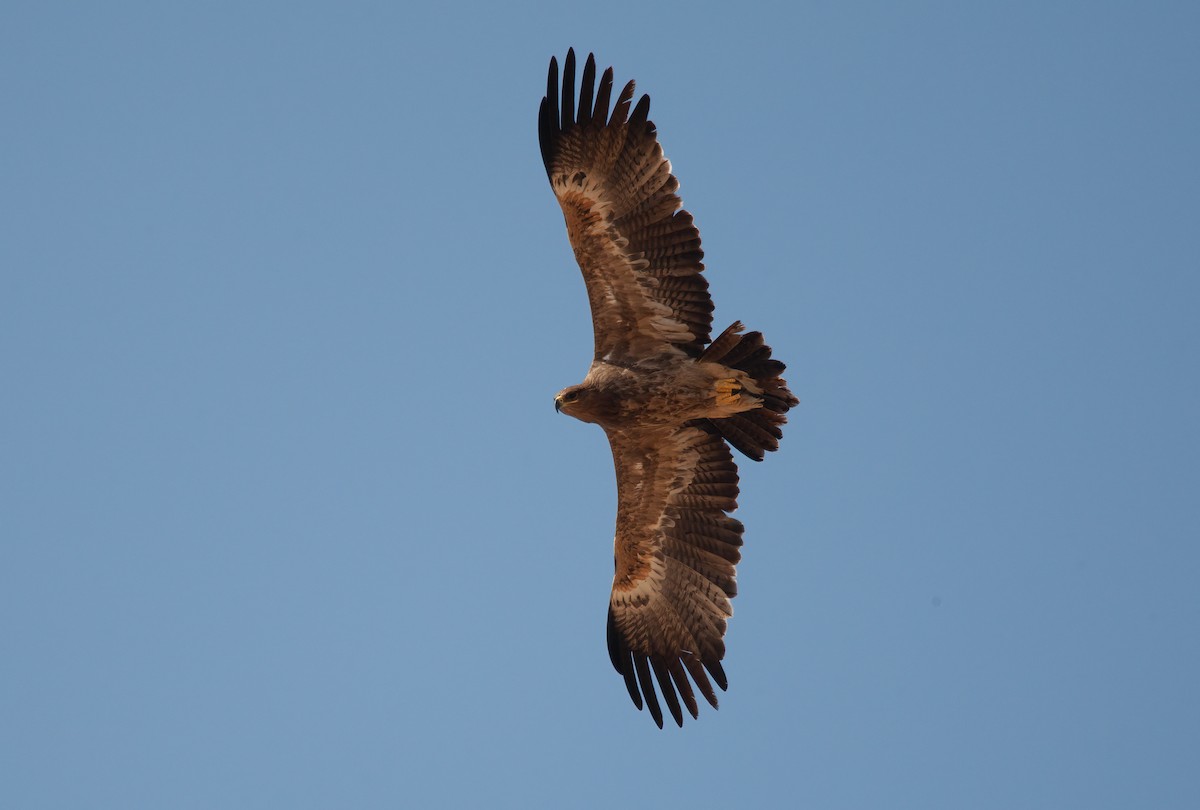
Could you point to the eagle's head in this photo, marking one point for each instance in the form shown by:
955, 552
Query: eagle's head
583, 402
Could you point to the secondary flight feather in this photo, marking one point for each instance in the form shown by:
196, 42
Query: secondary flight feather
670, 400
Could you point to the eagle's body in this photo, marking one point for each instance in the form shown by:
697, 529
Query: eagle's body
659, 392
667, 398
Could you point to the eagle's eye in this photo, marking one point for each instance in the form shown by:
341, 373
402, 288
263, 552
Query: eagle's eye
570, 396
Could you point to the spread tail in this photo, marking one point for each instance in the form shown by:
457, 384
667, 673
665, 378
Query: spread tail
758, 431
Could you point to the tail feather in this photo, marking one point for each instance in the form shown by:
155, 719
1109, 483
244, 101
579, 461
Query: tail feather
750, 349
755, 432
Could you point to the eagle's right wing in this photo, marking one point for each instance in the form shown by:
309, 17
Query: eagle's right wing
674, 554
640, 255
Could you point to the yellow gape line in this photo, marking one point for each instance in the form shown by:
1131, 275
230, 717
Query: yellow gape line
728, 392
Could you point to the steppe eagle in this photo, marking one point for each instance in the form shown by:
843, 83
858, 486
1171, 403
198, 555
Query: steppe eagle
667, 397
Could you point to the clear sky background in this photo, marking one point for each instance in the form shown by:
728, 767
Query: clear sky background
288, 519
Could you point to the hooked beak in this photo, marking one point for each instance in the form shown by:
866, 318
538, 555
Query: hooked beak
558, 404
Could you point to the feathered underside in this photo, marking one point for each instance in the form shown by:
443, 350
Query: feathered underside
639, 252
675, 551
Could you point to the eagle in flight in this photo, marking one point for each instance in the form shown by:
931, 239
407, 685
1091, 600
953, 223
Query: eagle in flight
668, 398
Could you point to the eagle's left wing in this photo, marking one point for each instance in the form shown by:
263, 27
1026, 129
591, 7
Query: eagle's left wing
674, 554
639, 253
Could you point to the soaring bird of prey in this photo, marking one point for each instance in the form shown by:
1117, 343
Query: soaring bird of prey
668, 398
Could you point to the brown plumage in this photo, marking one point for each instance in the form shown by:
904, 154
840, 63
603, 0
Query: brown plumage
667, 398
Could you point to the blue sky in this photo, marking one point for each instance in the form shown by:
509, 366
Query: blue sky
288, 519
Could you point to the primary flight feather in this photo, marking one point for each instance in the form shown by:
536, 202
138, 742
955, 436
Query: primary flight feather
668, 399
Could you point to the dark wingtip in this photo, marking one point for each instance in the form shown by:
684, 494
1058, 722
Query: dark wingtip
643, 674
640, 672
568, 90
666, 688
549, 124
603, 98
718, 674
641, 113
622, 660
586, 87
620, 113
